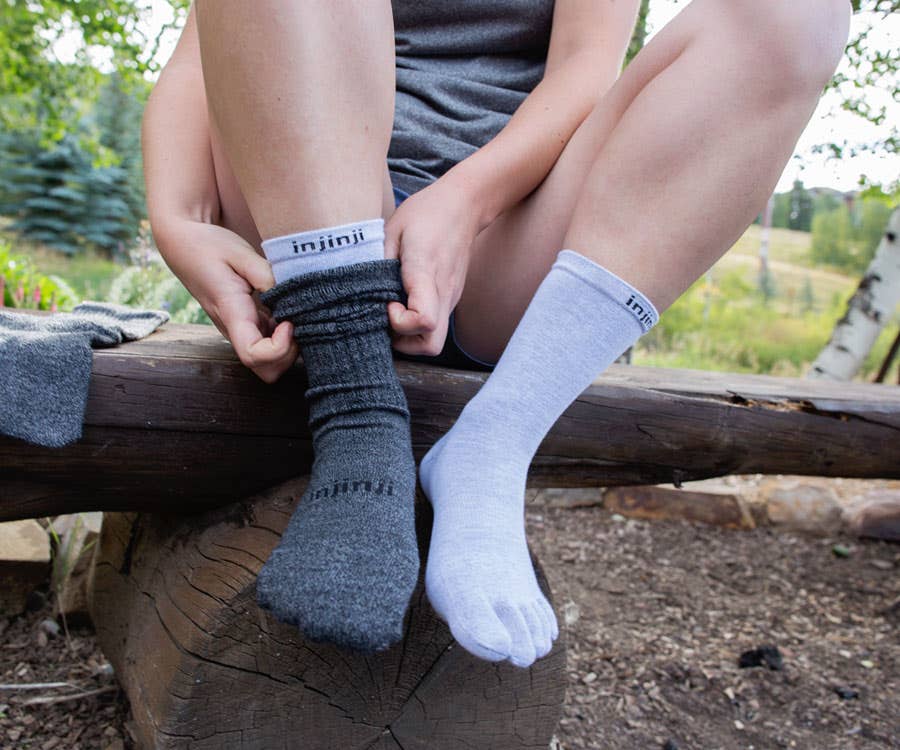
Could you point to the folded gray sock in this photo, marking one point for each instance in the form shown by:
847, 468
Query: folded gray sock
46, 366
347, 563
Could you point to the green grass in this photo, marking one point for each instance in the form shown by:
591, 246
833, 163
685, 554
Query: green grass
89, 273
784, 245
723, 323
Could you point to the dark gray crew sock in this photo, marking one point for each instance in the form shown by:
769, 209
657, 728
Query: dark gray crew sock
45, 365
347, 563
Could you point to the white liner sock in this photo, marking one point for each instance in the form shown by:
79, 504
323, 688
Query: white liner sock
479, 576
315, 250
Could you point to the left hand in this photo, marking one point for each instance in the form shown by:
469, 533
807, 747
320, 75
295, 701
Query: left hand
432, 233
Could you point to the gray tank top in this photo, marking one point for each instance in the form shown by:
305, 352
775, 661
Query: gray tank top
463, 68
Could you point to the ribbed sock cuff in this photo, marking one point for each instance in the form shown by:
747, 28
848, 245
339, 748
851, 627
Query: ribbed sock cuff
337, 301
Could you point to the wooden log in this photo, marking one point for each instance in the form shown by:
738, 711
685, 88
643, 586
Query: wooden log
173, 599
24, 563
175, 422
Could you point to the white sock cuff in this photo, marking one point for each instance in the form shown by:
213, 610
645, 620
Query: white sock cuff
605, 281
327, 247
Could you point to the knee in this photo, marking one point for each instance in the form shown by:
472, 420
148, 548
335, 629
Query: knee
793, 47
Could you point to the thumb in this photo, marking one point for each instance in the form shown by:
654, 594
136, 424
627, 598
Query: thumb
255, 269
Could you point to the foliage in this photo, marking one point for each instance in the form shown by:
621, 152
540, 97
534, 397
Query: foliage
57, 197
766, 284
807, 296
21, 285
825, 200
148, 283
640, 32
794, 209
801, 207
725, 325
870, 70
849, 238
115, 121
40, 86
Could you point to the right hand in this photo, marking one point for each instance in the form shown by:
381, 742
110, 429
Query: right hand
222, 271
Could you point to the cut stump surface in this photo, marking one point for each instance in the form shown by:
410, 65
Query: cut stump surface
174, 605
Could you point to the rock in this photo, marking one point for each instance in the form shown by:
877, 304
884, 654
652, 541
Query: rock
768, 656
846, 693
570, 498
876, 515
708, 501
76, 535
570, 612
812, 508
24, 563
50, 627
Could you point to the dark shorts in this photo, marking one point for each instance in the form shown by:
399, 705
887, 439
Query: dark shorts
452, 355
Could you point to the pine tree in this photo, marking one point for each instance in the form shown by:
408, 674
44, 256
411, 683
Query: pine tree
117, 119
801, 208
108, 219
45, 192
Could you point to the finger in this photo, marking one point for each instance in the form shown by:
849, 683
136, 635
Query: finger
394, 311
281, 338
429, 345
243, 335
253, 348
252, 267
421, 314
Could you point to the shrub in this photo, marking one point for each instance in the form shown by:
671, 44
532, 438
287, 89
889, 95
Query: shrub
726, 325
149, 283
21, 285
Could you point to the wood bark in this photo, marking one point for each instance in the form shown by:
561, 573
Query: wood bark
173, 599
175, 422
868, 311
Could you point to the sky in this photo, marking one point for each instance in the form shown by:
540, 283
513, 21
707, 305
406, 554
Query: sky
828, 124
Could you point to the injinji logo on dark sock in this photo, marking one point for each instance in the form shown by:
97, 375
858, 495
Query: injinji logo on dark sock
343, 486
326, 242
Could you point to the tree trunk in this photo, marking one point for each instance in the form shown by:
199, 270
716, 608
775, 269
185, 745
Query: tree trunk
869, 309
173, 600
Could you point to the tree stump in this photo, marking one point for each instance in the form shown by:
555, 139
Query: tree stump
173, 601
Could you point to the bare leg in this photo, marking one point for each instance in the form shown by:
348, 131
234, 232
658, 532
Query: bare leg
303, 97
655, 184
672, 166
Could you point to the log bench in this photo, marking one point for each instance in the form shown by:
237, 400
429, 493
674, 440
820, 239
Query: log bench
199, 464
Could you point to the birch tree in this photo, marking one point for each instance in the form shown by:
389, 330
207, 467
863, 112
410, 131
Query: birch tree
869, 309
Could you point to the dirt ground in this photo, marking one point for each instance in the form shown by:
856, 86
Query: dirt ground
657, 615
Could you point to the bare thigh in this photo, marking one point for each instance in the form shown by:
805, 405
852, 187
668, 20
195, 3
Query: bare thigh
512, 255
234, 214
